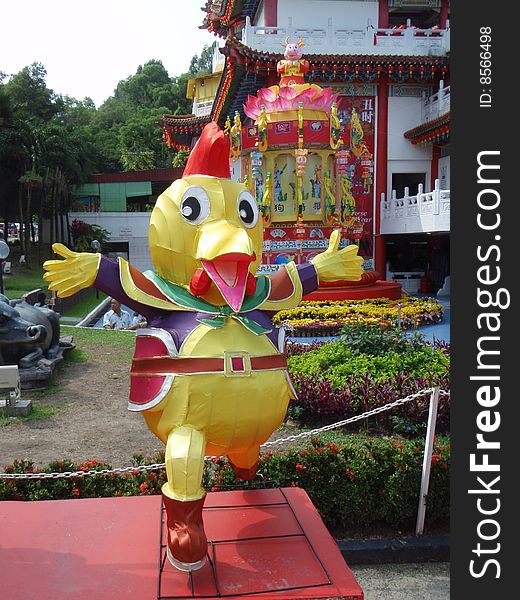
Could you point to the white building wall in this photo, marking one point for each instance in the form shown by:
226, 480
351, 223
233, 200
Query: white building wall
124, 227
404, 113
315, 14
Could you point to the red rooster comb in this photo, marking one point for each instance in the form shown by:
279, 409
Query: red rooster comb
210, 156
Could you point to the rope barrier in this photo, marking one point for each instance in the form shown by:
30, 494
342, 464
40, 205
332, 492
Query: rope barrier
157, 466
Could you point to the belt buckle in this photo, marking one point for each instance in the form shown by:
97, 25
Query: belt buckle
230, 366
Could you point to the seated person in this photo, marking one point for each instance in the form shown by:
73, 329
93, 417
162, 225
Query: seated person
138, 321
116, 317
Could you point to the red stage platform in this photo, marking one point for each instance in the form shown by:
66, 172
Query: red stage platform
379, 289
263, 543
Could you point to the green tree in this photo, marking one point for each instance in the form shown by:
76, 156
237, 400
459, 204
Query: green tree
30, 97
202, 65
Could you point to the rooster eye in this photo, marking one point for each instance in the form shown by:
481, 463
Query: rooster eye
195, 205
247, 209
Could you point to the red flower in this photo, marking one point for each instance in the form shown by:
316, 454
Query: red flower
299, 467
435, 458
350, 473
143, 487
332, 447
75, 492
215, 459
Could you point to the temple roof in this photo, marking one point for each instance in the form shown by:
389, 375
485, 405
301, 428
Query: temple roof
436, 130
220, 14
236, 47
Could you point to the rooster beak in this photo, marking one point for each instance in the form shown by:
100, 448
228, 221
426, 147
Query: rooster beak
226, 252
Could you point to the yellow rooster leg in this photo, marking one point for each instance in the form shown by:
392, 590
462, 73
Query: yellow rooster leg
245, 463
183, 498
185, 464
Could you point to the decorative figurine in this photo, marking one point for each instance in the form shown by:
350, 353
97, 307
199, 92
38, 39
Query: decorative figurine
209, 374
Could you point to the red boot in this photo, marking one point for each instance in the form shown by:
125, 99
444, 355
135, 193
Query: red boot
187, 542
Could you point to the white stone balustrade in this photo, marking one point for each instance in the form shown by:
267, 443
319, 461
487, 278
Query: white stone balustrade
332, 40
437, 104
426, 212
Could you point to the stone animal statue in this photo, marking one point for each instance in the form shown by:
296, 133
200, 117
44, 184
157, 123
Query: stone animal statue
27, 333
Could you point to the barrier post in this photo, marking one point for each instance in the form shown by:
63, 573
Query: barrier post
427, 461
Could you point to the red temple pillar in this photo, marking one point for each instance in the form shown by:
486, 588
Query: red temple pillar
381, 173
270, 13
436, 154
383, 14
443, 17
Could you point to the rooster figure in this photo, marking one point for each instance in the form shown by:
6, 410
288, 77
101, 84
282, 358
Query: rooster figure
209, 373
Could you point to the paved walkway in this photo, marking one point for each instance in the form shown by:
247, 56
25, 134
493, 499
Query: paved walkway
413, 581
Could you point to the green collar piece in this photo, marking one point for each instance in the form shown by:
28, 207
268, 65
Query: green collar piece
182, 297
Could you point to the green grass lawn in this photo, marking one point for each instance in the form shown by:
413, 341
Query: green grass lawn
91, 337
23, 280
84, 306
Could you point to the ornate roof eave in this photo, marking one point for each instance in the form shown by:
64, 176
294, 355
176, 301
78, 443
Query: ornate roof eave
350, 59
430, 127
184, 121
229, 82
221, 14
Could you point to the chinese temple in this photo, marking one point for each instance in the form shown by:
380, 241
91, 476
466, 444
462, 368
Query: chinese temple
352, 134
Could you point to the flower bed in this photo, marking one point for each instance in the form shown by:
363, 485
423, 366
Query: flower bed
357, 481
328, 317
369, 366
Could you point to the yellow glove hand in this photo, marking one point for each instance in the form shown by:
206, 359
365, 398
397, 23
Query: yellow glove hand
336, 265
77, 271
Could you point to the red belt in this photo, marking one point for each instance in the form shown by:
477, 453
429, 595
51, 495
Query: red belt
233, 364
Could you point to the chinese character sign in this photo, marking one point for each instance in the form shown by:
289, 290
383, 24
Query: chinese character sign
357, 116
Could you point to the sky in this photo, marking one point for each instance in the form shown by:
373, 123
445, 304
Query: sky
87, 47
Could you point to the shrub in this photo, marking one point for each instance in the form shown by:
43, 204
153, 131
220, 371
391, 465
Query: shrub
376, 339
83, 234
320, 402
339, 363
362, 481
98, 486
358, 481
368, 367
